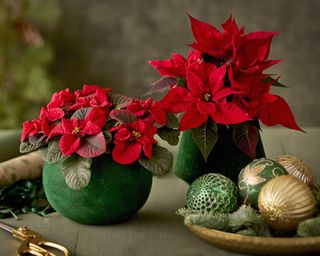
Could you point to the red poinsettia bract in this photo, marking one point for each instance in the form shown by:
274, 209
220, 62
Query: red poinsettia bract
63, 98
171, 67
213, 42
132, 139
209, 98
30, 128
74, 132
244, 57
148, 111
91, 96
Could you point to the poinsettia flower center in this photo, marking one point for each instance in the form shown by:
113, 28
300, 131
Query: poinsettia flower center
136, 134
199, 60
76, 131
207, 97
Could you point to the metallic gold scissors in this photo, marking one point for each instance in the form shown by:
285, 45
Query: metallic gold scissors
32, 243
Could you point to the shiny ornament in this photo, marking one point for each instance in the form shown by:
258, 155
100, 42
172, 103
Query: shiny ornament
254, 176
286, 201
296, 168
212, 192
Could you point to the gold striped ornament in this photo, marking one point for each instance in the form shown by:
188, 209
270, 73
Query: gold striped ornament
296, 168
285, 201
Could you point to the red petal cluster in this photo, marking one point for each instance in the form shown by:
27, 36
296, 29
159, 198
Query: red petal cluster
55, 120
78, 121
224, 78
74, 130
132, 139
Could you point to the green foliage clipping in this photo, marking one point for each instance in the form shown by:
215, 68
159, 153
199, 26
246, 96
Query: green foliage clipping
245, 221
309, 227
316, 193
22, 197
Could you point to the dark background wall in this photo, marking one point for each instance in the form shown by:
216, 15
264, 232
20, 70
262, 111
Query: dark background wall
109, 42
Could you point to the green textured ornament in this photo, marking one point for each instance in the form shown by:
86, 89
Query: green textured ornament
212, 192
254, 176
114, 194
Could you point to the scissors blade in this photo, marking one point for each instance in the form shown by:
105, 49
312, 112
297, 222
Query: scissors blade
7, 227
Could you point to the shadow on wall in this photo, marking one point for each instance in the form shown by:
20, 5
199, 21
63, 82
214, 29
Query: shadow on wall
109, 42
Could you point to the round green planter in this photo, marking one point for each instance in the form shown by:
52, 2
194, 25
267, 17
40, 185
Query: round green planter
225, 158
114, 194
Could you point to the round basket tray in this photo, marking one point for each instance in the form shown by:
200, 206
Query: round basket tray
259, 245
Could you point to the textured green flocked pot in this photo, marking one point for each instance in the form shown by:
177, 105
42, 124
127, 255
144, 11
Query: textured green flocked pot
225, 158
115, 192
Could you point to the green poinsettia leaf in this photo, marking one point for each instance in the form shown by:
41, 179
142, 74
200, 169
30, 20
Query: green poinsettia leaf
172, 120
119, 101
81, 113
53, 152
92, 146
169, 135
309, 227
182, 81
123, 116
162, 85
44, 153
275, 82
107, 135
76, 171
26, 147
36, 139
245, 138
205, 137
160, 163
110, 123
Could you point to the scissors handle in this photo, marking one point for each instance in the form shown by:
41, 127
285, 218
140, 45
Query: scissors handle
37, 249
32, 244
27, 248
59, 247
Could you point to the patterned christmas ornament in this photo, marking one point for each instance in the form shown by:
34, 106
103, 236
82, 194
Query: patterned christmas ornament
296, 168
286, 201
212, 192
254, 176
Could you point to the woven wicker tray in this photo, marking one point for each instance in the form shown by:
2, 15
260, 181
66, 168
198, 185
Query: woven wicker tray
259, 245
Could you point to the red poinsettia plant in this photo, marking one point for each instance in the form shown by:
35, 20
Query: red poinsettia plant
76, 126
223, 81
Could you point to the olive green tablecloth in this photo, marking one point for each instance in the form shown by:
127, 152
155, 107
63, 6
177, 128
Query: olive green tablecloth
156, 230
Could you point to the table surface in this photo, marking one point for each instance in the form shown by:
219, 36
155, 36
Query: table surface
155, 230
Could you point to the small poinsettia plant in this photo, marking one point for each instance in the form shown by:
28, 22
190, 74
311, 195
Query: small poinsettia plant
223, 82
75, 127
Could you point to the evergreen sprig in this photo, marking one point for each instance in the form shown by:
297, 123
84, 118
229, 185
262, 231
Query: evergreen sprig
218, 221
316, 193
309, 227
245, 221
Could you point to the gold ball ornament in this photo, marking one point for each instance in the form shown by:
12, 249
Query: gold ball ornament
296, 168
285, 201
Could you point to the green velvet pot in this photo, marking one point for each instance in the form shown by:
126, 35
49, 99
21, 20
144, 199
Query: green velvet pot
225, 158
114, 194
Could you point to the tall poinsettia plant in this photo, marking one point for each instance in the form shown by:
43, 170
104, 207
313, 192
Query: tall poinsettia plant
222, 81
76, 126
